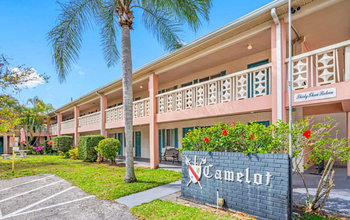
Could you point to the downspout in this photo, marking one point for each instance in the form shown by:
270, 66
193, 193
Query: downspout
101, 115
279, 63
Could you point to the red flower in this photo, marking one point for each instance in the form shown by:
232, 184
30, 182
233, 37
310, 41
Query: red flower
234, 123
206, 139
210, 131
307, 134
222, 127
252, 136
224, 132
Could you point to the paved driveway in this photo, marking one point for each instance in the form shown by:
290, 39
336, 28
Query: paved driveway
50, 197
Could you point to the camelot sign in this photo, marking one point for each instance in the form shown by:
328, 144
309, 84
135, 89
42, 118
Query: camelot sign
256, 184
195, 173
315, 95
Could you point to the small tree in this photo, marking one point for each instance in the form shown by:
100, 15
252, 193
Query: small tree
315, 142
109, 149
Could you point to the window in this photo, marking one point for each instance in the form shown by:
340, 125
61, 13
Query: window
138, 98
251, 79
186, 84
171, 138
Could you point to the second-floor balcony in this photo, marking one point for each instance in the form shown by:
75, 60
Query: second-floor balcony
323, 66
89, 122
67, 126
141, 111
53, 129
250, 83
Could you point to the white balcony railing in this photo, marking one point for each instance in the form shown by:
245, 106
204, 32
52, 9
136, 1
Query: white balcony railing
53, 128
237, 86
321, 67
141, 108
66, 125
90, 119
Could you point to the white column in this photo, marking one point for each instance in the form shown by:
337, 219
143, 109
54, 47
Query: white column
5, 144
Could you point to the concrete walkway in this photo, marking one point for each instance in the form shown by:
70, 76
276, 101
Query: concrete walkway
51, 197
150, 195
339, 199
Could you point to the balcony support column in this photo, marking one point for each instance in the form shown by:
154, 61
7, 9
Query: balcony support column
153, 126
6, 145
279, 76
59, 121
103, 107
76, 125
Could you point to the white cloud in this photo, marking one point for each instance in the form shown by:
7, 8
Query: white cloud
79, 70
30, 81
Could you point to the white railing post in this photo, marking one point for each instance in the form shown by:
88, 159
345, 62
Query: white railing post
347, 63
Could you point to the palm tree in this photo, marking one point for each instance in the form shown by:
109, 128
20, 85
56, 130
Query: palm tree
163, 18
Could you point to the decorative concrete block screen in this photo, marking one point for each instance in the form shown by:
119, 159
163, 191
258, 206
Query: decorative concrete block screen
257, 184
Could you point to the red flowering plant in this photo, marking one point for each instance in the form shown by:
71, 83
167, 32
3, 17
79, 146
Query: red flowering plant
224, 138
312, 143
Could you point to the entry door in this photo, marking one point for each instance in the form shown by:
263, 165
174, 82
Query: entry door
1, 145
138, 143
120, 138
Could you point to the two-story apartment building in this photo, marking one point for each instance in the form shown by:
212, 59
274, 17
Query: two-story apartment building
238, 72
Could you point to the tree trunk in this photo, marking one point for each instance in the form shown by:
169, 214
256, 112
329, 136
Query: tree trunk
127, 102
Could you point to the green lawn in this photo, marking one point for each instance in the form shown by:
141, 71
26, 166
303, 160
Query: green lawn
102, 180
159, 209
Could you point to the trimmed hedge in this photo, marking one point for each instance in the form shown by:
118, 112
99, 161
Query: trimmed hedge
62, 143
86, 146
109, 149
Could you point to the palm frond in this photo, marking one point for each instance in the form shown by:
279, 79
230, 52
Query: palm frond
66, 37
162, 25
108, 22
185, 11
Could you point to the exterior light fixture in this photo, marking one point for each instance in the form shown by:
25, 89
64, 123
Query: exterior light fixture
249, 47
141, 86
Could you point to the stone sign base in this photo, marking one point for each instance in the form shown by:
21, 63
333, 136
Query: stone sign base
256, 184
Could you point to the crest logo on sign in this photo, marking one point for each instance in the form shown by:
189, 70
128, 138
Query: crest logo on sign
195, 171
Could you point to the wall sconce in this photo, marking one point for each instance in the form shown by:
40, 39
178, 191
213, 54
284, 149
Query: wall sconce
249, 47
141, 86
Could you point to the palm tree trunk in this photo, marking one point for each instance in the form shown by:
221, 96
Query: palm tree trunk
128, 101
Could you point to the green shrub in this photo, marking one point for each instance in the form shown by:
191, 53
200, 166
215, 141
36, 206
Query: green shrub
109, 148
74, 153
86, 146
62, 143
252, 138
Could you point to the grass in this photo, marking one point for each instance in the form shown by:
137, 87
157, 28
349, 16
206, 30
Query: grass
102, 180
311, 217
159, 210
163, 210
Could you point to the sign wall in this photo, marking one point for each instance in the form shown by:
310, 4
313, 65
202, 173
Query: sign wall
257, 184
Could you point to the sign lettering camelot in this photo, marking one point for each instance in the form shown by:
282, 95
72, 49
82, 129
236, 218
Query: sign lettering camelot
195, 173
315, 95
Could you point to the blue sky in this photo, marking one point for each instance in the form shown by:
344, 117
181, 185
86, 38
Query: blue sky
25, 23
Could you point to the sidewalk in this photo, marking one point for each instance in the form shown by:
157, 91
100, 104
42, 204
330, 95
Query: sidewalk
150, 195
